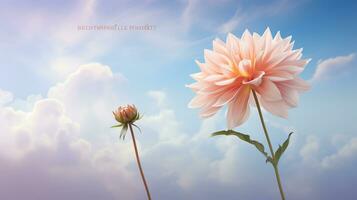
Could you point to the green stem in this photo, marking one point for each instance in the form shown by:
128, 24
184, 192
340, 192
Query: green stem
279, 182
139, 164
276, 170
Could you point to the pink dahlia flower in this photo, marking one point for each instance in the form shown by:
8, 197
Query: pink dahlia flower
267, 65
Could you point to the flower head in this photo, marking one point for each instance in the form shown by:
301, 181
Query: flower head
266, 64
125, 115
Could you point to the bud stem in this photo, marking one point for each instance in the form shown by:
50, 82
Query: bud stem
138, 161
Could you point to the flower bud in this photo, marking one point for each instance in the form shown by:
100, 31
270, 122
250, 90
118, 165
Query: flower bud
126, 114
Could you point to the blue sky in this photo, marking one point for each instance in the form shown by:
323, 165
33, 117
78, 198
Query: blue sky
58, 86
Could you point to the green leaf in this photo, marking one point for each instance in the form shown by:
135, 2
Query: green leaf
117, 126
279, 152
245, 138
137, 127
123, 131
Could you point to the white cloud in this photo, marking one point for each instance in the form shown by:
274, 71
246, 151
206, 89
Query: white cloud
184, 153
26, 104
188, 12
5, 97
53, 137
64, 143
310, 149
232, 23
47, 148
159, 97
43, 155
332, 66
89, 95
63, 48
343, 155
243, 15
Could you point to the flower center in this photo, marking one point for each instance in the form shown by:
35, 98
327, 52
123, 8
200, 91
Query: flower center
246, 68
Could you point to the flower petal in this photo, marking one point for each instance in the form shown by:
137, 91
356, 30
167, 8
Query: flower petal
232, 43
205, 68
296, 83
226, 81
215, 59
268, 90
257, 80
197, 101
220, 47
295, 70
208, 111
238, 109
278, 108
211, 89
214, 77
279, 76
226, 96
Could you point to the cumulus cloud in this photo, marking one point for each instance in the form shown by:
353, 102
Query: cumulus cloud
191, 162
159, 97
310, 149
50, 147
311, 153
344, 154
46, 152
332, 66
61, 147
5, 97
89, 94
44, 156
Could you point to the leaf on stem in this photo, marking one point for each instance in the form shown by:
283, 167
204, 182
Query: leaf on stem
245, 138
279, 152
137, 127
123, 131
117, 126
